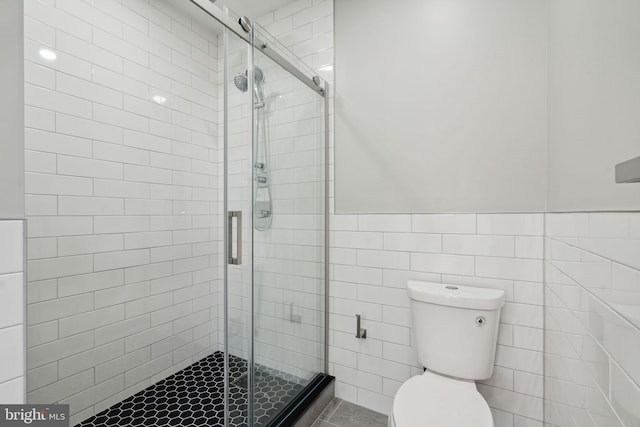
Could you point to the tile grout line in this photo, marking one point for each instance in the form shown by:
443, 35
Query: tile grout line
334, 409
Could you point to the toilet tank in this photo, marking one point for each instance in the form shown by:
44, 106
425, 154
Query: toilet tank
456, 328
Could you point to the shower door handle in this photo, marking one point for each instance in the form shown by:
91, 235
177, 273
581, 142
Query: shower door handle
231, 259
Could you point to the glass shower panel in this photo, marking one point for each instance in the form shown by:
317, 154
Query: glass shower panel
237, 229
273, 177
289, 237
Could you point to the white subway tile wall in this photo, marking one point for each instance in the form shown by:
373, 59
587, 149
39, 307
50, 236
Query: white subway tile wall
121, 150
12, 328
373, 257
592, 319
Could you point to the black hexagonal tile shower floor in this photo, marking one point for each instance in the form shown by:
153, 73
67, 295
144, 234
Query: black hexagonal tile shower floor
194, 396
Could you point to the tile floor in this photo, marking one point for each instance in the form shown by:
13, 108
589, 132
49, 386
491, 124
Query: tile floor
194, 397
339, 413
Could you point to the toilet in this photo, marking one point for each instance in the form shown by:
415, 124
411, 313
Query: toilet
456, 330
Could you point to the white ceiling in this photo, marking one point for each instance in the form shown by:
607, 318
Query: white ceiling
252, 8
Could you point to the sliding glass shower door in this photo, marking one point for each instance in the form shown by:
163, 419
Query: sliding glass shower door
288, 235
274, 231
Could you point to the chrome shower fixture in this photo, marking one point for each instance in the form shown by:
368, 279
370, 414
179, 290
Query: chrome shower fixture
241, 80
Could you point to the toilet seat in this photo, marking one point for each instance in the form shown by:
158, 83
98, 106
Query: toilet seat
434, 400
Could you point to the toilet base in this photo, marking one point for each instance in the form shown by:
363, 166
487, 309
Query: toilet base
434, 399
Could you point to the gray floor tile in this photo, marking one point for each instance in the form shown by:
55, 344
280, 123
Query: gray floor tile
320, 423
330, 409
350, 415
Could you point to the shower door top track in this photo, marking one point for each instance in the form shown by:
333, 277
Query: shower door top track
314, 82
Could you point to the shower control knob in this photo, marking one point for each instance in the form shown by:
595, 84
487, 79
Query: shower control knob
261, 179
264, 214
259, 165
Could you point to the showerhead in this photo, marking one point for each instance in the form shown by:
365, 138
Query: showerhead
242, 82
258, 75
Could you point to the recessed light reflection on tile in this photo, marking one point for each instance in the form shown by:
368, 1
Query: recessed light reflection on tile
159, 99
326, 71
48, 54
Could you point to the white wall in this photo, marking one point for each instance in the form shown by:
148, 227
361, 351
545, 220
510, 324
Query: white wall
120, 198
594, 103
441, 106
12, 369
592, 319
11, 125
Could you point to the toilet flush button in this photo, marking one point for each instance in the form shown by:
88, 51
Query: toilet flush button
480, 321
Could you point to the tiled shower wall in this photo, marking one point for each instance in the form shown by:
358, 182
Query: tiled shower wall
592, 319
373, 256
12, 368
120, 198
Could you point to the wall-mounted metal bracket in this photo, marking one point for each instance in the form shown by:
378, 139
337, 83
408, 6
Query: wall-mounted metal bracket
245, 23
360, 333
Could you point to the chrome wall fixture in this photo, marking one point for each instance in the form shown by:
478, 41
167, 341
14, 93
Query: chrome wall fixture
360, 332
262, 200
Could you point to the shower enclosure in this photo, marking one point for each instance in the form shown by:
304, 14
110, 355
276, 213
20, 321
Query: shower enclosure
275, 219
176, 162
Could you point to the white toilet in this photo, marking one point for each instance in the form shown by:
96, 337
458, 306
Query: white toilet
456, 329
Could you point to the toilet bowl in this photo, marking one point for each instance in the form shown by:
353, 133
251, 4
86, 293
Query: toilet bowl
434, 400
456, 330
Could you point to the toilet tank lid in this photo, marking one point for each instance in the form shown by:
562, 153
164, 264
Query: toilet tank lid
456, 296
